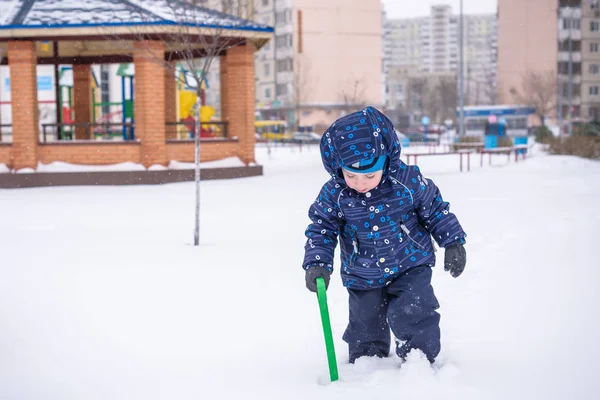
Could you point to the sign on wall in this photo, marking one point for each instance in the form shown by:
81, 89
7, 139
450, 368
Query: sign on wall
44, 83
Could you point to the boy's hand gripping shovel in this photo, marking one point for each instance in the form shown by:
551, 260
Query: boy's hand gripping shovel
322, 296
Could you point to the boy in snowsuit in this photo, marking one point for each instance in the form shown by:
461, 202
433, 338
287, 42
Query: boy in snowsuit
385, 214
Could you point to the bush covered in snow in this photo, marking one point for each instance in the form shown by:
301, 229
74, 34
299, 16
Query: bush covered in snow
587, 146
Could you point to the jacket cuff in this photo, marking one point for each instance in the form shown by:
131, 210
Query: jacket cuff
328, 267
457, 242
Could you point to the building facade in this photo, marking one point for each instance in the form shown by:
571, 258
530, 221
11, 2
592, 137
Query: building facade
326, 59
560, 39
527, 42
579, 46
431, 45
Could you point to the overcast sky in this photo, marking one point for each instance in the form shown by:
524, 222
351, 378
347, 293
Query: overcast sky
420, 8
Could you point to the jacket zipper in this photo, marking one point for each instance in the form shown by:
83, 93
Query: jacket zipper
354, 250
407, 232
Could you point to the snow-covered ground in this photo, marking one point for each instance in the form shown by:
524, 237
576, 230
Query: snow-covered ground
103, 297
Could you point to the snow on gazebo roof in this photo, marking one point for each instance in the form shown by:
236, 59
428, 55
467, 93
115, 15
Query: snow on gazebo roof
15, 14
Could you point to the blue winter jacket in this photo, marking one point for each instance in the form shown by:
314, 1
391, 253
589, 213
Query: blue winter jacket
382, 232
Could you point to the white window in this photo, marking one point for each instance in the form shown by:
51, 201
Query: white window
594, 47
594, 69
284, 65
595, 26
571, 23
267, 69
593, 90
281, 89
268, 93
283, 41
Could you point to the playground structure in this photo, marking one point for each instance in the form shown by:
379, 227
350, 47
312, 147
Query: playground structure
26, 44
119, 123
186, 101
120, 114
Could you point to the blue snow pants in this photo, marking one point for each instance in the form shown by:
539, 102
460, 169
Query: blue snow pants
406, 306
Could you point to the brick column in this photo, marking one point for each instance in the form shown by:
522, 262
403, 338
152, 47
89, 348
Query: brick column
82, 100
149, 107
237, 97
22, 61
171, 111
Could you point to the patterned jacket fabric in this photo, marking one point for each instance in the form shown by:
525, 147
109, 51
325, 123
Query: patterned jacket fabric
387, 230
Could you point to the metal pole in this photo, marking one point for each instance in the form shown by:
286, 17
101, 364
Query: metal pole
559, 87
570, 70
57, 90
197, 132
274, 44
123, 108
461, 98
132, 97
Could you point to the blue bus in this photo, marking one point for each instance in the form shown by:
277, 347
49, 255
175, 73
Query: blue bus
497, 120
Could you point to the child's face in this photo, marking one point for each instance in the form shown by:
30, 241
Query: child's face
362, 183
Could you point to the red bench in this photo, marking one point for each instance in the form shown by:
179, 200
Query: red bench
465, 152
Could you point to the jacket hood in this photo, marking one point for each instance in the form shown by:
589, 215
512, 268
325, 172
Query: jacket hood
360, 136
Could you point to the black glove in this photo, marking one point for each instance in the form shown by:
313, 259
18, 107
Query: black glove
312, 273
455, 260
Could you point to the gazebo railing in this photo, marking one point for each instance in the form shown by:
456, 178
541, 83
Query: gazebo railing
123, 131
185, 130
91, 131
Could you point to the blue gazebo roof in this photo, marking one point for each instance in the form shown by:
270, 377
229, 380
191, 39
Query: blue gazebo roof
31, 14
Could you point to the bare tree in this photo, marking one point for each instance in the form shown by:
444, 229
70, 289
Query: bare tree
439, 102
194, 51
447, 90
417, 88
353, 95
539, 90
490, 85
468, 82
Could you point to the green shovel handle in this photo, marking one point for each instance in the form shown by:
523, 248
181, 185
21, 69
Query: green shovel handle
322, 296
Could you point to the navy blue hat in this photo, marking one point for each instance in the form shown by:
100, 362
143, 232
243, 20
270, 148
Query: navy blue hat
367, 166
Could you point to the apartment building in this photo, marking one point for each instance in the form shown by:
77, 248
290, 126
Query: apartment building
559, 38
430, 44
326, 59
527, 41
579, 45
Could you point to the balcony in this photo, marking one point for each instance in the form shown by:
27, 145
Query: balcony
575, 100
564, 56
569, 3
565, 78
564, 35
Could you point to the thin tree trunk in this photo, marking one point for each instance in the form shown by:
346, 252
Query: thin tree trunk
197, 165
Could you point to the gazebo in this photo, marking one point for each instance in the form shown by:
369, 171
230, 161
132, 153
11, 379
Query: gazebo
85, 32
